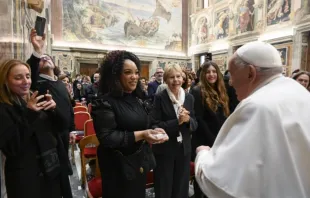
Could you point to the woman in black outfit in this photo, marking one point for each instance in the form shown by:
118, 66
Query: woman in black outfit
211, 109
121, 125
28, 137
174, 112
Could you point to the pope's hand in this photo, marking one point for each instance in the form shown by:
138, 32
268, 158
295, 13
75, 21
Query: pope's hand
200, 148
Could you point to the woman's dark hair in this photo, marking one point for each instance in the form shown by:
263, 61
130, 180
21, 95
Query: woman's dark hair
185, 84
213, 95
296, 75
198, 75
57, 71
111, 70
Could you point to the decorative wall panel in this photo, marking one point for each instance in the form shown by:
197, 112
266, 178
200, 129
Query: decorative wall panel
155, 24
16, 21
285, 51
221, 61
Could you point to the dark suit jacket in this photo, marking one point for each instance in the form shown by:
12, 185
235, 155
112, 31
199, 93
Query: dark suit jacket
164, 116
151, 89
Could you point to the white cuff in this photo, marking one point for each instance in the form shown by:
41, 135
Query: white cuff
36, 54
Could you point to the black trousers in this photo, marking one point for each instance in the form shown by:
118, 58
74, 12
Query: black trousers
171, 175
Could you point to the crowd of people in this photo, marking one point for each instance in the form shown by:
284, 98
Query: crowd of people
246, 130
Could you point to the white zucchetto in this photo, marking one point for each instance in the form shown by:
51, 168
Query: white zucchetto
260, 54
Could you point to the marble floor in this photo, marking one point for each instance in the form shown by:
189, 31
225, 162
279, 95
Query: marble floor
75, 180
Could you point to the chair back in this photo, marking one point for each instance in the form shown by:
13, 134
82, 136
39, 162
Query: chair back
79, 120
89, 108
80, 108
93, 141
77, 104
89, 128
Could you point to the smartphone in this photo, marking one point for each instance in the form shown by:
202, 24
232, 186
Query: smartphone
40, 25
42, 87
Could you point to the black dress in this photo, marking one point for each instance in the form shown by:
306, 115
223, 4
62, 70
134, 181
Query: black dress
209, 124
115, 120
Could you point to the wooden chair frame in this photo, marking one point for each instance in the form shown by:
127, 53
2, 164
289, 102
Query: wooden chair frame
91, 139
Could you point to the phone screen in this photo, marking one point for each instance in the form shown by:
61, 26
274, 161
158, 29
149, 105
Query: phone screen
40, 25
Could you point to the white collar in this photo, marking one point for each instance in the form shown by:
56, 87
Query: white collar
265, 82
177, 103
48, 77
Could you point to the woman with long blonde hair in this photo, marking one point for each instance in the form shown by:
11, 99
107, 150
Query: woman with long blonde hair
211, 108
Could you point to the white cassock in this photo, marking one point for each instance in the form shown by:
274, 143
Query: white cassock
263, 148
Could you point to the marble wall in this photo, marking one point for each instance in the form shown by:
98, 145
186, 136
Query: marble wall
16, 21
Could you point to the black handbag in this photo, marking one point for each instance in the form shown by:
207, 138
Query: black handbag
139, 162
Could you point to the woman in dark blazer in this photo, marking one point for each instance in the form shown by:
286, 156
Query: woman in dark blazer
174, 112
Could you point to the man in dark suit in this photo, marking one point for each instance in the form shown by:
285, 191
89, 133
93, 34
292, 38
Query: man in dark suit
152, 86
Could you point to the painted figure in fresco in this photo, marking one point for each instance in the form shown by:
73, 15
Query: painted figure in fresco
221, 27
203, 30
174, 42
246, 14
162, 10
278, 10
141, 27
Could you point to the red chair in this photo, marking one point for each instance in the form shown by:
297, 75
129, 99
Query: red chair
149, 179
192, 171
78, 104
89, 107
89, 127
79, 120
94, 186
80, 109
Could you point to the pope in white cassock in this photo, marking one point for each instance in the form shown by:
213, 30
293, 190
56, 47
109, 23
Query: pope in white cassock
263, 148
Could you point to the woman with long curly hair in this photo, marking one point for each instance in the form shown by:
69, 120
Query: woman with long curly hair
122, 128
211, 108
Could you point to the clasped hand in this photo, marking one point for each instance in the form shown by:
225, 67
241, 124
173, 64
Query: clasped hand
34, 104
183, 116
156, 136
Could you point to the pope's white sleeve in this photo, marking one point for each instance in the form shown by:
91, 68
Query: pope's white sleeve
207, 186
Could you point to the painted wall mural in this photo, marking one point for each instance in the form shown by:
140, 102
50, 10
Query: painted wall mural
155, 24
201, 29
278, 11
221, 61
221, 23
217, 1
283, 53
244, 16
186, 65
